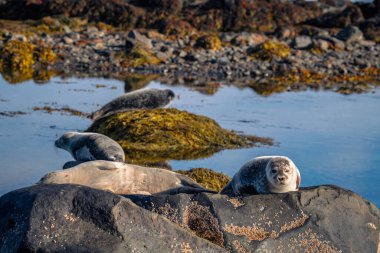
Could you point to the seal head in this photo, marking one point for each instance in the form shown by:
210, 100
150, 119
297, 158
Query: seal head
281, 173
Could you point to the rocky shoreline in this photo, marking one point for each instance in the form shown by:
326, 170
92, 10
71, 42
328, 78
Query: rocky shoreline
316, 52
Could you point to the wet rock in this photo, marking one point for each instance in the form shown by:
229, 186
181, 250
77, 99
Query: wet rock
71, 218
350, 34
315, 219
301, 42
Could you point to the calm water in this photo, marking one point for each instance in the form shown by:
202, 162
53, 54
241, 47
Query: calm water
333, 139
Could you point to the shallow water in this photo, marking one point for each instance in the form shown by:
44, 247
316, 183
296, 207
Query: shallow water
332, 138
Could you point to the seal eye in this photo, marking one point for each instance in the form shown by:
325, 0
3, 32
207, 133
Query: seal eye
273, 171
287, 171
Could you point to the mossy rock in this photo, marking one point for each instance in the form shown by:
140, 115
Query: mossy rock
169, 133
210, 42
268, 49
207, 178
140, 55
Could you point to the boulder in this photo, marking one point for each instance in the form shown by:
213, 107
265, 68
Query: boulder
350, 34
71, 218
315, 219
351, 15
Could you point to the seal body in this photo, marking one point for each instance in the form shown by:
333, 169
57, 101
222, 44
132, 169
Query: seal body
264, 175
139, 99
90, 146
121, 178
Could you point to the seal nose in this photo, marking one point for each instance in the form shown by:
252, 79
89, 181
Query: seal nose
281, 178
56, 143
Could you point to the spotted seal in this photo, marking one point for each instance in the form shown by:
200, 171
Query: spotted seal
122, 178
264, 175
140, 99
90, 146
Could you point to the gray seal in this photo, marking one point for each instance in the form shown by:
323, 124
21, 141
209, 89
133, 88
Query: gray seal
90, 146
122, 178
264, 175
139, 99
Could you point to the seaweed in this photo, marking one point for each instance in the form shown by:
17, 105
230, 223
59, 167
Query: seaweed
207, 178
168, 133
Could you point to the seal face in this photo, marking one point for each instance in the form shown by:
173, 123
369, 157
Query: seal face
121, 178
264, 175
139, 99
90, 146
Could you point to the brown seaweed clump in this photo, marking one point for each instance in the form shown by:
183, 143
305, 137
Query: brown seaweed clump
138, 55
18, 55
210, 42
267, 50
207, 178
169, 134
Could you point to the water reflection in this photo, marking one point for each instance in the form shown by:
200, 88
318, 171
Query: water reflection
333, 139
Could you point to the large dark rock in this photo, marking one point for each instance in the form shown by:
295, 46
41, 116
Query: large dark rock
351, 15
117, 12
317, 219
71, 218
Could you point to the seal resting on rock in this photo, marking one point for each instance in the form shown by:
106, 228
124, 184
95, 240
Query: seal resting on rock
139, 99
90, 146
264, 175
122, 178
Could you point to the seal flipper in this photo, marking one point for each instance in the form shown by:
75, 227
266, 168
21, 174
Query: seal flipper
83, 154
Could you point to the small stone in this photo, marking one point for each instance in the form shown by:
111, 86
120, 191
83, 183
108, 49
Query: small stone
301, 42
68, 40
66, 29
321, 44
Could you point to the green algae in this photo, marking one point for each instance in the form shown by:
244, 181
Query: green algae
161, 134
207, 178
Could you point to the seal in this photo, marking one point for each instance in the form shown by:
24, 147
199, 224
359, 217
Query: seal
140, 99
122, 178
265, 175
90, 146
